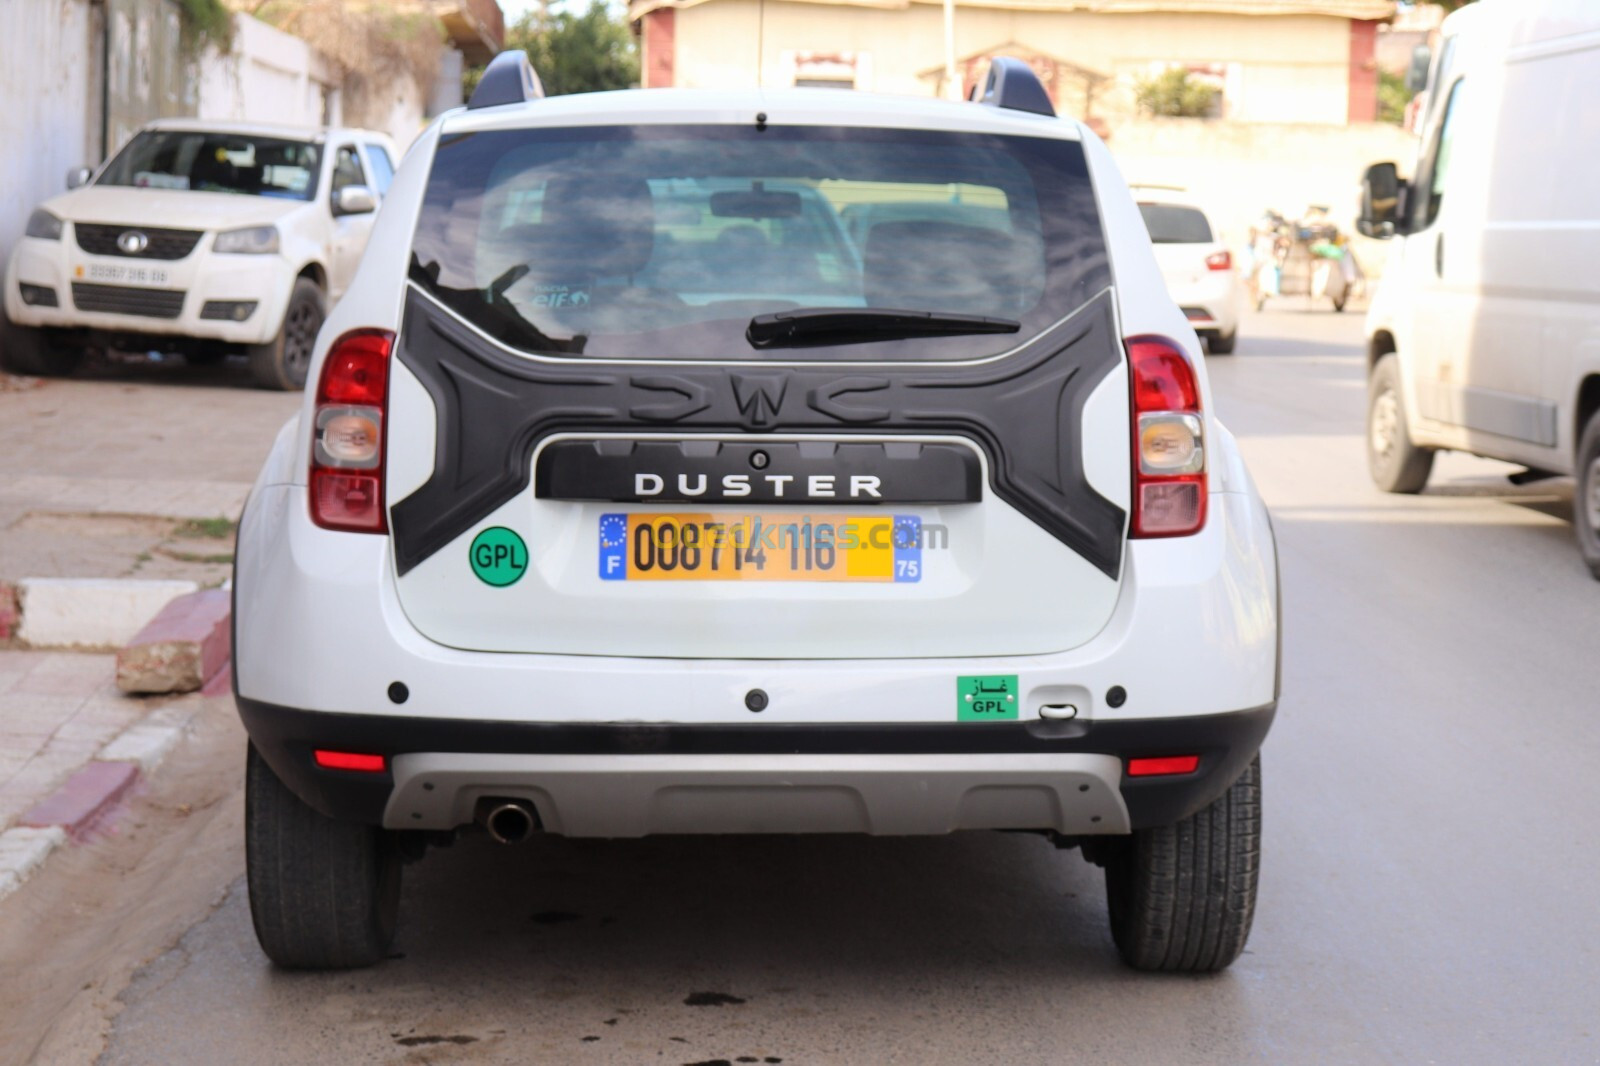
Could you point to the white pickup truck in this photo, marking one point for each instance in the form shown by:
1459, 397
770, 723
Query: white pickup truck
201, 238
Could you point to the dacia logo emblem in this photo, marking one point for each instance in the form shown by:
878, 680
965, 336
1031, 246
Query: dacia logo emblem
759, 397
132, 242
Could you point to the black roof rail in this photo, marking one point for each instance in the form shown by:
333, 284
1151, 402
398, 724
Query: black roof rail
1011, 84
509, 79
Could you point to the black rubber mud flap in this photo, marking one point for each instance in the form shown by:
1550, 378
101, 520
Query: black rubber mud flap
1025, 410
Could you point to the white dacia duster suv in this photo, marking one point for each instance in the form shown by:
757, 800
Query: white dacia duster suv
201, 238
761, 462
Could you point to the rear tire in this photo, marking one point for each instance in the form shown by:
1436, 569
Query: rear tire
324, 894
1222, 343
1396, 465
282, 363
1586, 500
40, 353
1182, 897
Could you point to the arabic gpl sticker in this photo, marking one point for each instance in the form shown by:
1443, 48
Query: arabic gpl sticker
559, 296
989, 698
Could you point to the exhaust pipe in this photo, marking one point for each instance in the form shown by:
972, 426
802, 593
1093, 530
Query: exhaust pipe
508, 821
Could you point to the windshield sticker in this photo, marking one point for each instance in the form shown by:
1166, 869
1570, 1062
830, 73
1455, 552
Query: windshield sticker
150, 179
559, 296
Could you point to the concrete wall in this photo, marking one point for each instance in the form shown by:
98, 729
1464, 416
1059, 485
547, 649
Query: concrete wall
272, 76
1276, 69
395, 105
1237, 171
269, 76
149, 74
49, 102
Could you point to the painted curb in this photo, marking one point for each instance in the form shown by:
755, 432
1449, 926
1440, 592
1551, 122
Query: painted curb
59, 612
22, 851
132, 754
221, 683
83, 800
10, 613
146, 743
181, 648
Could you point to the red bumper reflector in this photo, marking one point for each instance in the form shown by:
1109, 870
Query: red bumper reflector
349, 760
1163, 766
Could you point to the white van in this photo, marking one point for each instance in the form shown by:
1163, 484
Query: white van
1485, 334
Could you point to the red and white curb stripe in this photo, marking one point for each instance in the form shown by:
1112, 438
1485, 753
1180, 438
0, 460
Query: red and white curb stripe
84, 802
61, 612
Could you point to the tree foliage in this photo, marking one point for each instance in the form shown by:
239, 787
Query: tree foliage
372, 45
206, 22
1393, 96
1174, 93
584, 53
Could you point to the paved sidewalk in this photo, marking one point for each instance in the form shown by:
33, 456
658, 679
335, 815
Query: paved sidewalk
57, 710
127, 496
120, 472
124, 471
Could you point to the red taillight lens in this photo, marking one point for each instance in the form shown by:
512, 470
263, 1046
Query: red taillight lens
347, 443
1162, 377
1163, 766
349, 760
357, 369
1169, 456
351, 502
1222, 260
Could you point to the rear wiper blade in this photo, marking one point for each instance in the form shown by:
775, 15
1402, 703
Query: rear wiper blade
857, 325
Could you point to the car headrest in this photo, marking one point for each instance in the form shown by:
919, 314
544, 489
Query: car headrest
947, 266
607, 224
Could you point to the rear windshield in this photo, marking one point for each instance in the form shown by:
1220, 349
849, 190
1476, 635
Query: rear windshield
216, 162
1172, 224
664, 241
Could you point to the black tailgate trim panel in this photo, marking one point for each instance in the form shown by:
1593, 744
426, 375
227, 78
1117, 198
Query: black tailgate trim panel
493, 408
773, 472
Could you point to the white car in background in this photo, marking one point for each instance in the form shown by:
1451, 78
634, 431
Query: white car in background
1198, 267
201, 238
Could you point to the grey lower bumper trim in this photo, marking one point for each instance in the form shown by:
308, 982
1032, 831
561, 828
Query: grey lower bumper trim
889, 795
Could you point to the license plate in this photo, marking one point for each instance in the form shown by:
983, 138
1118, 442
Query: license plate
124, 275
760, 547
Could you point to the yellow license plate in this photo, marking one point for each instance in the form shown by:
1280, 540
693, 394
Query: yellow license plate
760, 547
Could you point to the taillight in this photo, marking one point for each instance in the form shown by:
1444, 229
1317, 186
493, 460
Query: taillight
1222, 260
347, 442
1169, 455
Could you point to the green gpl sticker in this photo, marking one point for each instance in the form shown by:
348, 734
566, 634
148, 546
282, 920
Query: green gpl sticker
990, 698
499, 557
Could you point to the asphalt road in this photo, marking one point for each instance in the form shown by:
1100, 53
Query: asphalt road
1430, 871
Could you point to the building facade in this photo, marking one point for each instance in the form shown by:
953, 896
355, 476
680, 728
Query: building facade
1303, 61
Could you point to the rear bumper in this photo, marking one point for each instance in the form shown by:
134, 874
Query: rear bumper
624, 779
1218, 297
326, 657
